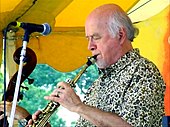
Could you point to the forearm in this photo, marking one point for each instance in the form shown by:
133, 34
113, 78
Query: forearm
100, 118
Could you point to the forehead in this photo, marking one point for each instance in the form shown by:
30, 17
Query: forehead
95, 26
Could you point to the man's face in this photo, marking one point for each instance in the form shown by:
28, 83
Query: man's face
102, 43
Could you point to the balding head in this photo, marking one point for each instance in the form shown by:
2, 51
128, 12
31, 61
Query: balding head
113, 17
105, 11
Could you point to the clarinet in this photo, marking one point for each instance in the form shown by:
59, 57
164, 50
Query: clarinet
52, 106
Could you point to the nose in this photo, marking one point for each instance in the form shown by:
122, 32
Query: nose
91, 45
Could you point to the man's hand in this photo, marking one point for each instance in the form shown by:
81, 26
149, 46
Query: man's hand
65, 96
34, 118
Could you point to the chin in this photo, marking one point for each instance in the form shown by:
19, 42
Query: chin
101, 64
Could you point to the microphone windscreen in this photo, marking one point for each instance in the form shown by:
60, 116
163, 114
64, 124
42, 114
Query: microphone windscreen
47, 29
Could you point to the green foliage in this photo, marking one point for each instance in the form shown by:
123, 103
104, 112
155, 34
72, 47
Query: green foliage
1, 78
47, 77
1, 85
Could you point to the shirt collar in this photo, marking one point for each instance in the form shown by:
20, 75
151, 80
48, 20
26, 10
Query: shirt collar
125, 60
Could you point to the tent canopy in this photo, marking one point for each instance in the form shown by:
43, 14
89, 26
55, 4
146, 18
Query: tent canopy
65, 49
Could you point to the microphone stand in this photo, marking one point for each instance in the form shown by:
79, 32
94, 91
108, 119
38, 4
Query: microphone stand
22, 56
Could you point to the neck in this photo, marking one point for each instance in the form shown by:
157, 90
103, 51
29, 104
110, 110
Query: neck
126, 47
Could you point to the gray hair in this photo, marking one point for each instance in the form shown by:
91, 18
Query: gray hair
118, 20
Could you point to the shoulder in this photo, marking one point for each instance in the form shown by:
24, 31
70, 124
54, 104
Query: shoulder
147, 66
148, 75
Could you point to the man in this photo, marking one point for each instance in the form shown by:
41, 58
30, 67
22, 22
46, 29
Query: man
129, 90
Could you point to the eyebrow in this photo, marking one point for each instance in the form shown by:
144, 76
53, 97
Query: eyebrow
95, 34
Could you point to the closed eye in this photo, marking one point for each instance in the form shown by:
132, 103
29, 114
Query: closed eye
93, 37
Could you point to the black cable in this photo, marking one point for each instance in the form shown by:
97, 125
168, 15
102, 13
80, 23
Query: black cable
139, 7
5, 31
4, 64
26, 10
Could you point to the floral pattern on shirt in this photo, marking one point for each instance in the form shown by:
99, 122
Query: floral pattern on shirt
132, 88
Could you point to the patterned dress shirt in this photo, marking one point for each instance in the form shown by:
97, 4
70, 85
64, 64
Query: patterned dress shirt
132, 88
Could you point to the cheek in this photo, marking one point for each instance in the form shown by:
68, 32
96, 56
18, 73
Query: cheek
107, 47
105, 51
109, 50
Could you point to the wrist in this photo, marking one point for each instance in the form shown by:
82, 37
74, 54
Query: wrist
80, 108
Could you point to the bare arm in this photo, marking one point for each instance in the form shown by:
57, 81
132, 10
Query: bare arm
68, 99
100, 118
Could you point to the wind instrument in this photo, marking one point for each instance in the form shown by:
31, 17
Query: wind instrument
52, 106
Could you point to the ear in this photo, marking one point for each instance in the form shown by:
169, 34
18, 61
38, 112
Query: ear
121, 35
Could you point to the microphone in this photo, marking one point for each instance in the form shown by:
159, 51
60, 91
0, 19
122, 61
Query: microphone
44, 29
